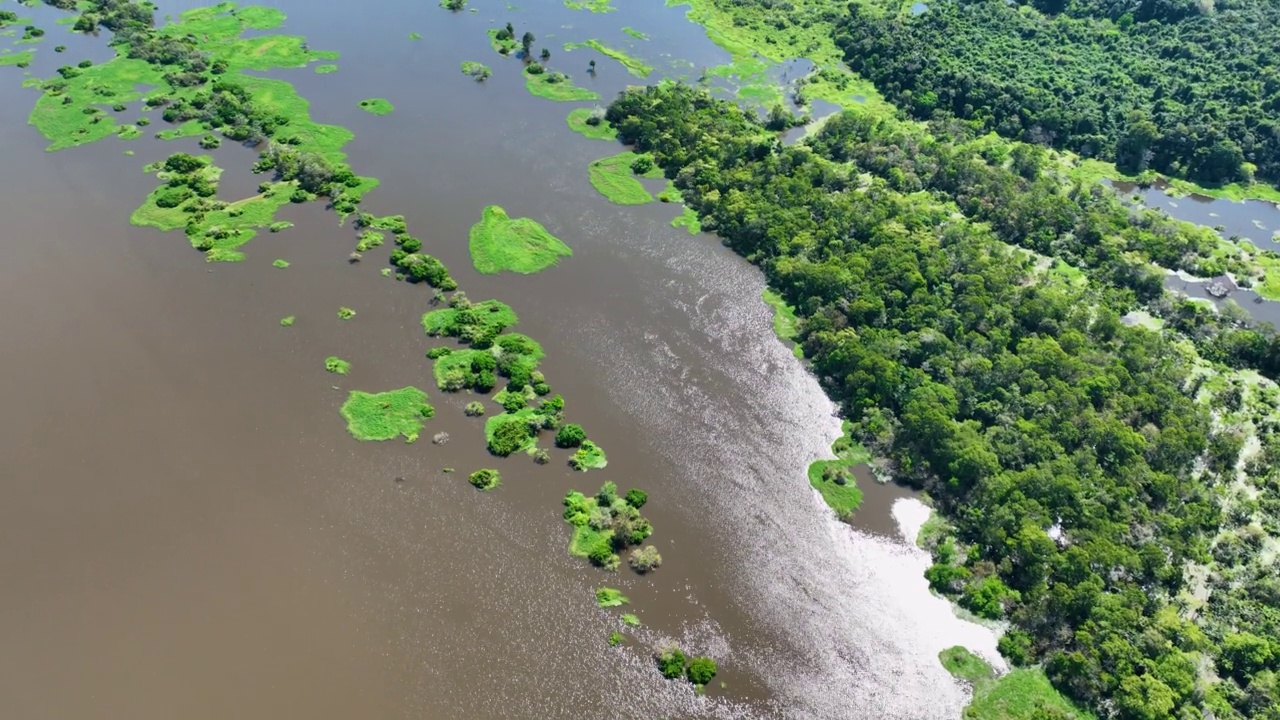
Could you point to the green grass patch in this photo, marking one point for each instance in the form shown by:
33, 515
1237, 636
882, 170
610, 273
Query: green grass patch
191, 128
23, 58
580, 122
1021, 694
415, 36
337, 365
688, 219
501, 45
521, 245
633, 65
557, 86
635, 33
631, 619
282, 264
965, 665
785, 322
614, 178
326, 69
834, 479
595, 6
346, 313
287, 321
589, 456
386, 415
607, 597
477, 71
456, 364
377, 106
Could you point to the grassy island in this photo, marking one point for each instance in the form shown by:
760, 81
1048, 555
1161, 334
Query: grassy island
592, 124
377, 106
386, 415
604, 524
834, 479
520, 245
477, 71
595, 6
615, 177
633, 65
326, 69
785, 323
555, 86
588, 456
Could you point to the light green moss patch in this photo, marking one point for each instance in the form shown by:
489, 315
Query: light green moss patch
557, 86
520, 245
326, 69
965, 665
377, 106
635, 33
580, 122
386, 415
337, 365
287, 321
415, 36
614, 178
633, 65
281, 264
631, 619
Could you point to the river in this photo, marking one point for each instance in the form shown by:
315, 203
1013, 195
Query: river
189, 530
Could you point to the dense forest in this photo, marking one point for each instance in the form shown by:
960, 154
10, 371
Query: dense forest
1184, 88
1081, 476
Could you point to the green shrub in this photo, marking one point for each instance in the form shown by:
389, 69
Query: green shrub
410, 244
485, 479
672, 663
636, 498
513, 402
608, 493
474, 409
510, 435
701, 670
570, 435
438, 352
174, 196
645, 559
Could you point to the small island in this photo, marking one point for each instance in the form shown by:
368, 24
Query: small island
605, 524
386, 415
377, 106
499, 242
615, 177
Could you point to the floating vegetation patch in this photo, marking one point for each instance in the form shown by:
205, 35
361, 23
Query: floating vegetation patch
377, 106
591, 123
555, 86
386, 415
337, 365
633, 65
499, 242
615, 177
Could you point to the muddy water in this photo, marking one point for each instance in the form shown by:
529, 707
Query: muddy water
189, 530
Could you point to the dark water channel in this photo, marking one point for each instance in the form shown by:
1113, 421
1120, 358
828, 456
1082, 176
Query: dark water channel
190, 532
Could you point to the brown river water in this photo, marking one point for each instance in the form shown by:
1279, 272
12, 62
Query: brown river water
189, 531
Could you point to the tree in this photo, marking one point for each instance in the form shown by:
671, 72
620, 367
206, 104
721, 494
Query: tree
645, 559
513, 402
671, 662
701, 670
591, 68
526, 42
545, 55
510, 435
570, 435
182, 163
636, 498
485, 479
